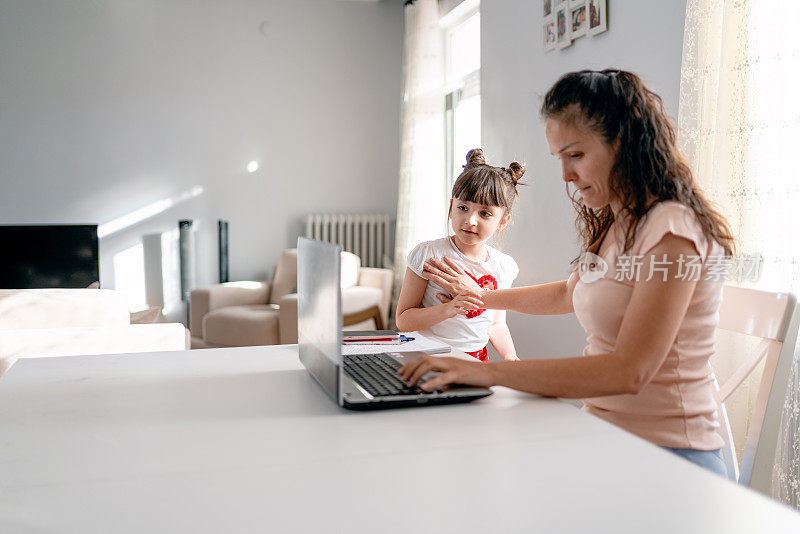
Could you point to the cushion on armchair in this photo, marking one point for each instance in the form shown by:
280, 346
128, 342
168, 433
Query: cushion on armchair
205, 299
284, 281
350, 266
358, 298
241, 326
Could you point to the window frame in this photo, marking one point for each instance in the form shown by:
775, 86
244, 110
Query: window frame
458, 89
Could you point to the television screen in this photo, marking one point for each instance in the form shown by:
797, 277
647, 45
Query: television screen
41, 256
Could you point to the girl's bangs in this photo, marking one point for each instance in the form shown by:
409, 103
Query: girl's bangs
480, 190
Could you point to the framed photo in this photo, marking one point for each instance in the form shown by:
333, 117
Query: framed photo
579, 19
548, 7
598, 16
549, 33
563, 26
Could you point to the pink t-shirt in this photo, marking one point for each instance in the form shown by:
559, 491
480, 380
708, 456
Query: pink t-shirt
677, 407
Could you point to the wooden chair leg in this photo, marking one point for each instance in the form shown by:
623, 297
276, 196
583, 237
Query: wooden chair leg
373, 313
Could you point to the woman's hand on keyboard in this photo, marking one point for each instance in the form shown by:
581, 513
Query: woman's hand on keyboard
453, 371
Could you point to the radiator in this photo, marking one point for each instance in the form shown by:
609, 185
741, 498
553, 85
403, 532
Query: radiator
367, 236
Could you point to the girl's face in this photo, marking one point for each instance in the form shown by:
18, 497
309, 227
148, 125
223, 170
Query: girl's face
474, 223
586, 161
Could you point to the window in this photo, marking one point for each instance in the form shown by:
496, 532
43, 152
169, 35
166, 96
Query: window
462, 48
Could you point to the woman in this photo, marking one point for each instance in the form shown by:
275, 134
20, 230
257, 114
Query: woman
651, 318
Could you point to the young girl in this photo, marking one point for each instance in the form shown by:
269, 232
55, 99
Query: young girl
480, 206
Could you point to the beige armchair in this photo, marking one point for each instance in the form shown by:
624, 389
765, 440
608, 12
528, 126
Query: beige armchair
237, 314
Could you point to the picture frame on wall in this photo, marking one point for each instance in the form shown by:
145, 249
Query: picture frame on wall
549, 33
548, 7
597, 16
579, 19
563, 25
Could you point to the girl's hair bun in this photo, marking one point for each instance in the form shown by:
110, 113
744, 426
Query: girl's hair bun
516, 170
475, 157
484, 184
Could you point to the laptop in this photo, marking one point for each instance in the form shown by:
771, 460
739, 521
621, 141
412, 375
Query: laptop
356, 382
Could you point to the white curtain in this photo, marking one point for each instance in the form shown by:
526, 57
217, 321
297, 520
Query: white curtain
740, 122
422, 198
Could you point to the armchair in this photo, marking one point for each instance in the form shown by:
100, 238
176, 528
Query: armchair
237, 314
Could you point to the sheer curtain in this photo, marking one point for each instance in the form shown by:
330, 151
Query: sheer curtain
740, 122
422, 196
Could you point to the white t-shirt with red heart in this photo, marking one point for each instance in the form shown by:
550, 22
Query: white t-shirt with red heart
464, 333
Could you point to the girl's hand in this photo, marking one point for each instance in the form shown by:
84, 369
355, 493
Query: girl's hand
449, 276
444, 298
462, 304
454, 371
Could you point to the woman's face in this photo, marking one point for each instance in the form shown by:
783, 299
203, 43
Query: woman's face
586, 161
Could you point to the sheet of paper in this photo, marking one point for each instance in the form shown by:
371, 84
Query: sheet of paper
420, 343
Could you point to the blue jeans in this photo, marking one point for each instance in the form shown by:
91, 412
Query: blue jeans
711, 460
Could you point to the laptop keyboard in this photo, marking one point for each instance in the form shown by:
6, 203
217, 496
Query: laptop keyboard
377, 373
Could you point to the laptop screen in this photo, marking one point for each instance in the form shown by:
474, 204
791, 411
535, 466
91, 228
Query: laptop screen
319, 311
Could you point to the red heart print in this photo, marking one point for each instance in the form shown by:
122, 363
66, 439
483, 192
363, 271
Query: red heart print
486, 281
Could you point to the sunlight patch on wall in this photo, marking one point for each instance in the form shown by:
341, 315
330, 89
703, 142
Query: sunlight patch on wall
129, 276
146, 212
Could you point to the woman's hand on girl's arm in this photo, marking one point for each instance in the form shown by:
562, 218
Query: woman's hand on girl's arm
449, 276
554, 298
500, 337
411, 316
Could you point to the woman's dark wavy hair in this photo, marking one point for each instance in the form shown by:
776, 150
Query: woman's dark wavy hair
617, 106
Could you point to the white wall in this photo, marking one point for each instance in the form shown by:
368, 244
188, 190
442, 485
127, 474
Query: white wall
644, 36
108, 106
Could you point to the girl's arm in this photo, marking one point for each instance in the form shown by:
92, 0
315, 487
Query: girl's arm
544, 299
649, 326
500, 337
410, 316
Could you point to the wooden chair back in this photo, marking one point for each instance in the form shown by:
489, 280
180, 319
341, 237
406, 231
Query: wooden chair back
774, 318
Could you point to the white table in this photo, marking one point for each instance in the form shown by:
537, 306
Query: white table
243, 440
